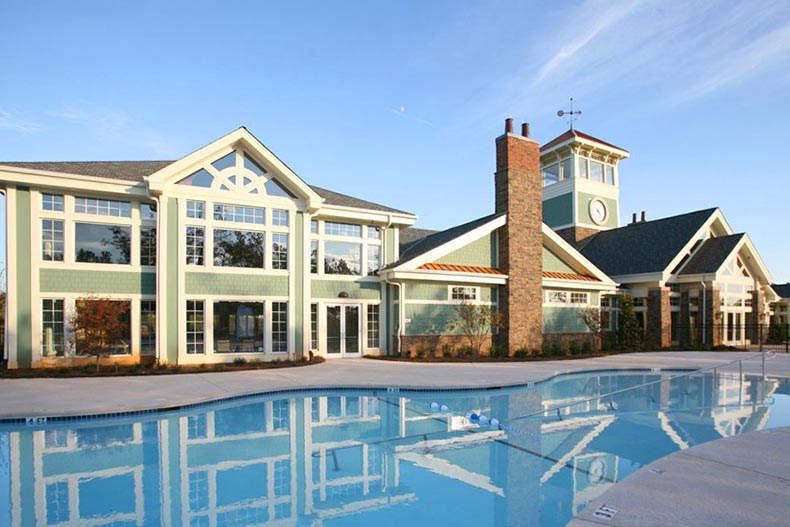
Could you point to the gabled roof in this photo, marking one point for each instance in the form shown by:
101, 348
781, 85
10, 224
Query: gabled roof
783, 290
575, 134
712, 254
433, 241
644, 247
409, 236
331, 197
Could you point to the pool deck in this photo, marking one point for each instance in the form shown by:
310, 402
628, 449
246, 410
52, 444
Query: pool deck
738, 481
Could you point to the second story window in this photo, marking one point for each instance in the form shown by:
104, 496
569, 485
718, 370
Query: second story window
103, 207
102, 243
52, 202
52, 240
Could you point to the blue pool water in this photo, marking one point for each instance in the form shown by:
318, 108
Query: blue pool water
362, 458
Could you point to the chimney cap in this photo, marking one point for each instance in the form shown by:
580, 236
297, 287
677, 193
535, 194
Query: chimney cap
525, 129
509, 125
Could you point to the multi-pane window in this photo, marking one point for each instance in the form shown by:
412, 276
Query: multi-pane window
281, 415
640, 301
196, 209
313, 326
342, 258
101, 243
314, 226
282, 468
342, 229
566, 297
238, 248
279, 251
147, 327
374, 233
52, 240
279, 327
53, 344
103, 207
148, 246
314, 257
374, 259
198, 490
57, 497
579, 298
373, 326
91, 309
239, 213
53, 202
197, 427
463, 293
195, 245
280, 217
147, 211
557, 297
195, 337
238, 327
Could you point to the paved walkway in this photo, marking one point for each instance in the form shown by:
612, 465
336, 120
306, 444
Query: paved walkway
102, 395
738, 481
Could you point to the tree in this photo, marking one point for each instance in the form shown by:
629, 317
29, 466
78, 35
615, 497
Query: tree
476, 322
591, 316
99, 325
629, 332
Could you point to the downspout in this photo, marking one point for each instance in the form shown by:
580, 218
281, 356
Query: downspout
704, 307
396, 284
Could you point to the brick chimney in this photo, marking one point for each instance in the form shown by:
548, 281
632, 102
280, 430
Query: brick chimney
519, 193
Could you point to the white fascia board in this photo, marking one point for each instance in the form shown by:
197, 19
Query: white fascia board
352, 213
444, 276
599, 147
555, 242
454, 244
553, 283
59, 180
639, 278
247, 141
761, 267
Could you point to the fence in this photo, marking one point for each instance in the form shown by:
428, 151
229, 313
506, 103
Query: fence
747, 337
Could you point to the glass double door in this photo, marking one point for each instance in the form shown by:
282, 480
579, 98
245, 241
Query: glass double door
342, 331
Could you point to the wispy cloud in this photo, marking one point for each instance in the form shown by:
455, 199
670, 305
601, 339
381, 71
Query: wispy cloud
13, 122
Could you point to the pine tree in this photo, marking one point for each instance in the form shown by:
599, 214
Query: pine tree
629, 332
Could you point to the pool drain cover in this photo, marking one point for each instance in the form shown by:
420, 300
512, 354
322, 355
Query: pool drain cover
605, 512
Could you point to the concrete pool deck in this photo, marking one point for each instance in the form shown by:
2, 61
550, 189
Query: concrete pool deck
738, 481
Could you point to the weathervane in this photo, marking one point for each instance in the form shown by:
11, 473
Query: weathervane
572, 113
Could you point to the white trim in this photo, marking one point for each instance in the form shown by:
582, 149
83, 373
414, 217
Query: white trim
550, 283
567, 252
11, 340
65, 182
443, 276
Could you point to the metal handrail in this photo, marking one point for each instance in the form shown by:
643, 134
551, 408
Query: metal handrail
766, 355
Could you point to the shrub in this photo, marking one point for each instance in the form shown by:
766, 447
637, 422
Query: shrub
239, 361
629, 332
556, 350
521, 353
587, 347
573, 347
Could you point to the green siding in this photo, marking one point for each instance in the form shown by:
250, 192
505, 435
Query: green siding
563, 320
584, 209
173, 300
558, 211
197, 283
552, 262
24, 331
423, 291
331, 289
298, 270
389, 246
481, 252
88, 281
429, 319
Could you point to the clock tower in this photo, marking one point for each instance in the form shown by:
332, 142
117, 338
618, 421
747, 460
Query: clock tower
581, 185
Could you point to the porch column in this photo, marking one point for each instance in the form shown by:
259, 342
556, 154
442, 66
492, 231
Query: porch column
713, 317
659, 319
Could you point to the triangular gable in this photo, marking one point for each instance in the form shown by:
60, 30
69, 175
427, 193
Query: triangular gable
259, 168
745, 250
573, 259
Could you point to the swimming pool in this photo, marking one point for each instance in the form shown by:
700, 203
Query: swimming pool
533, 455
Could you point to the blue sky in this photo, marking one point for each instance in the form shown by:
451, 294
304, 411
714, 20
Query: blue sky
400, 102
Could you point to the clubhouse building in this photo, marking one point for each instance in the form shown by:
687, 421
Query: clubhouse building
226, 253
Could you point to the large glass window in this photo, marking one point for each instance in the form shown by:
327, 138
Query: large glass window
373, 326
148, 327
238, 248
53, 344
52, 240
195, 245
103, 207
609, 174
53, 202
148, 246
342, 229
196, 209
565, 169
279, 327
280, 217
98, 243
596, 171
239, 214
279, 251
342, 258
374, 259
195, 327
314, 257
551, 174
238, 327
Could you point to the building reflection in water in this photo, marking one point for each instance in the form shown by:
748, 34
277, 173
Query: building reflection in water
372, 459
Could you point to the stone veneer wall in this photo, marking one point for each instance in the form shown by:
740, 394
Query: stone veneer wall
577, 236
659, 319
713, 319
412, 344
519, 193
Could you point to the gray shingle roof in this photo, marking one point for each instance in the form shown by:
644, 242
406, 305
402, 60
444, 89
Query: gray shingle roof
432, 241
137, 170
783, 290
410, 236
646, 247
711, 254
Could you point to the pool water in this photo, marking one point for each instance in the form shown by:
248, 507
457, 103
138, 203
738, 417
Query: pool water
363, 458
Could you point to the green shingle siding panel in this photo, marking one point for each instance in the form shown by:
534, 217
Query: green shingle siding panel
24, 346
552, 262
563, 320
429, 319
558, 211
331, 289
481, 252
92, 282
171, 284
197, 283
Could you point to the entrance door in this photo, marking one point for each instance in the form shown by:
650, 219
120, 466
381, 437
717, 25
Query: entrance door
342, 331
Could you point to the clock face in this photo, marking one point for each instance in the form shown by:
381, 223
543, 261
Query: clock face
598, 211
